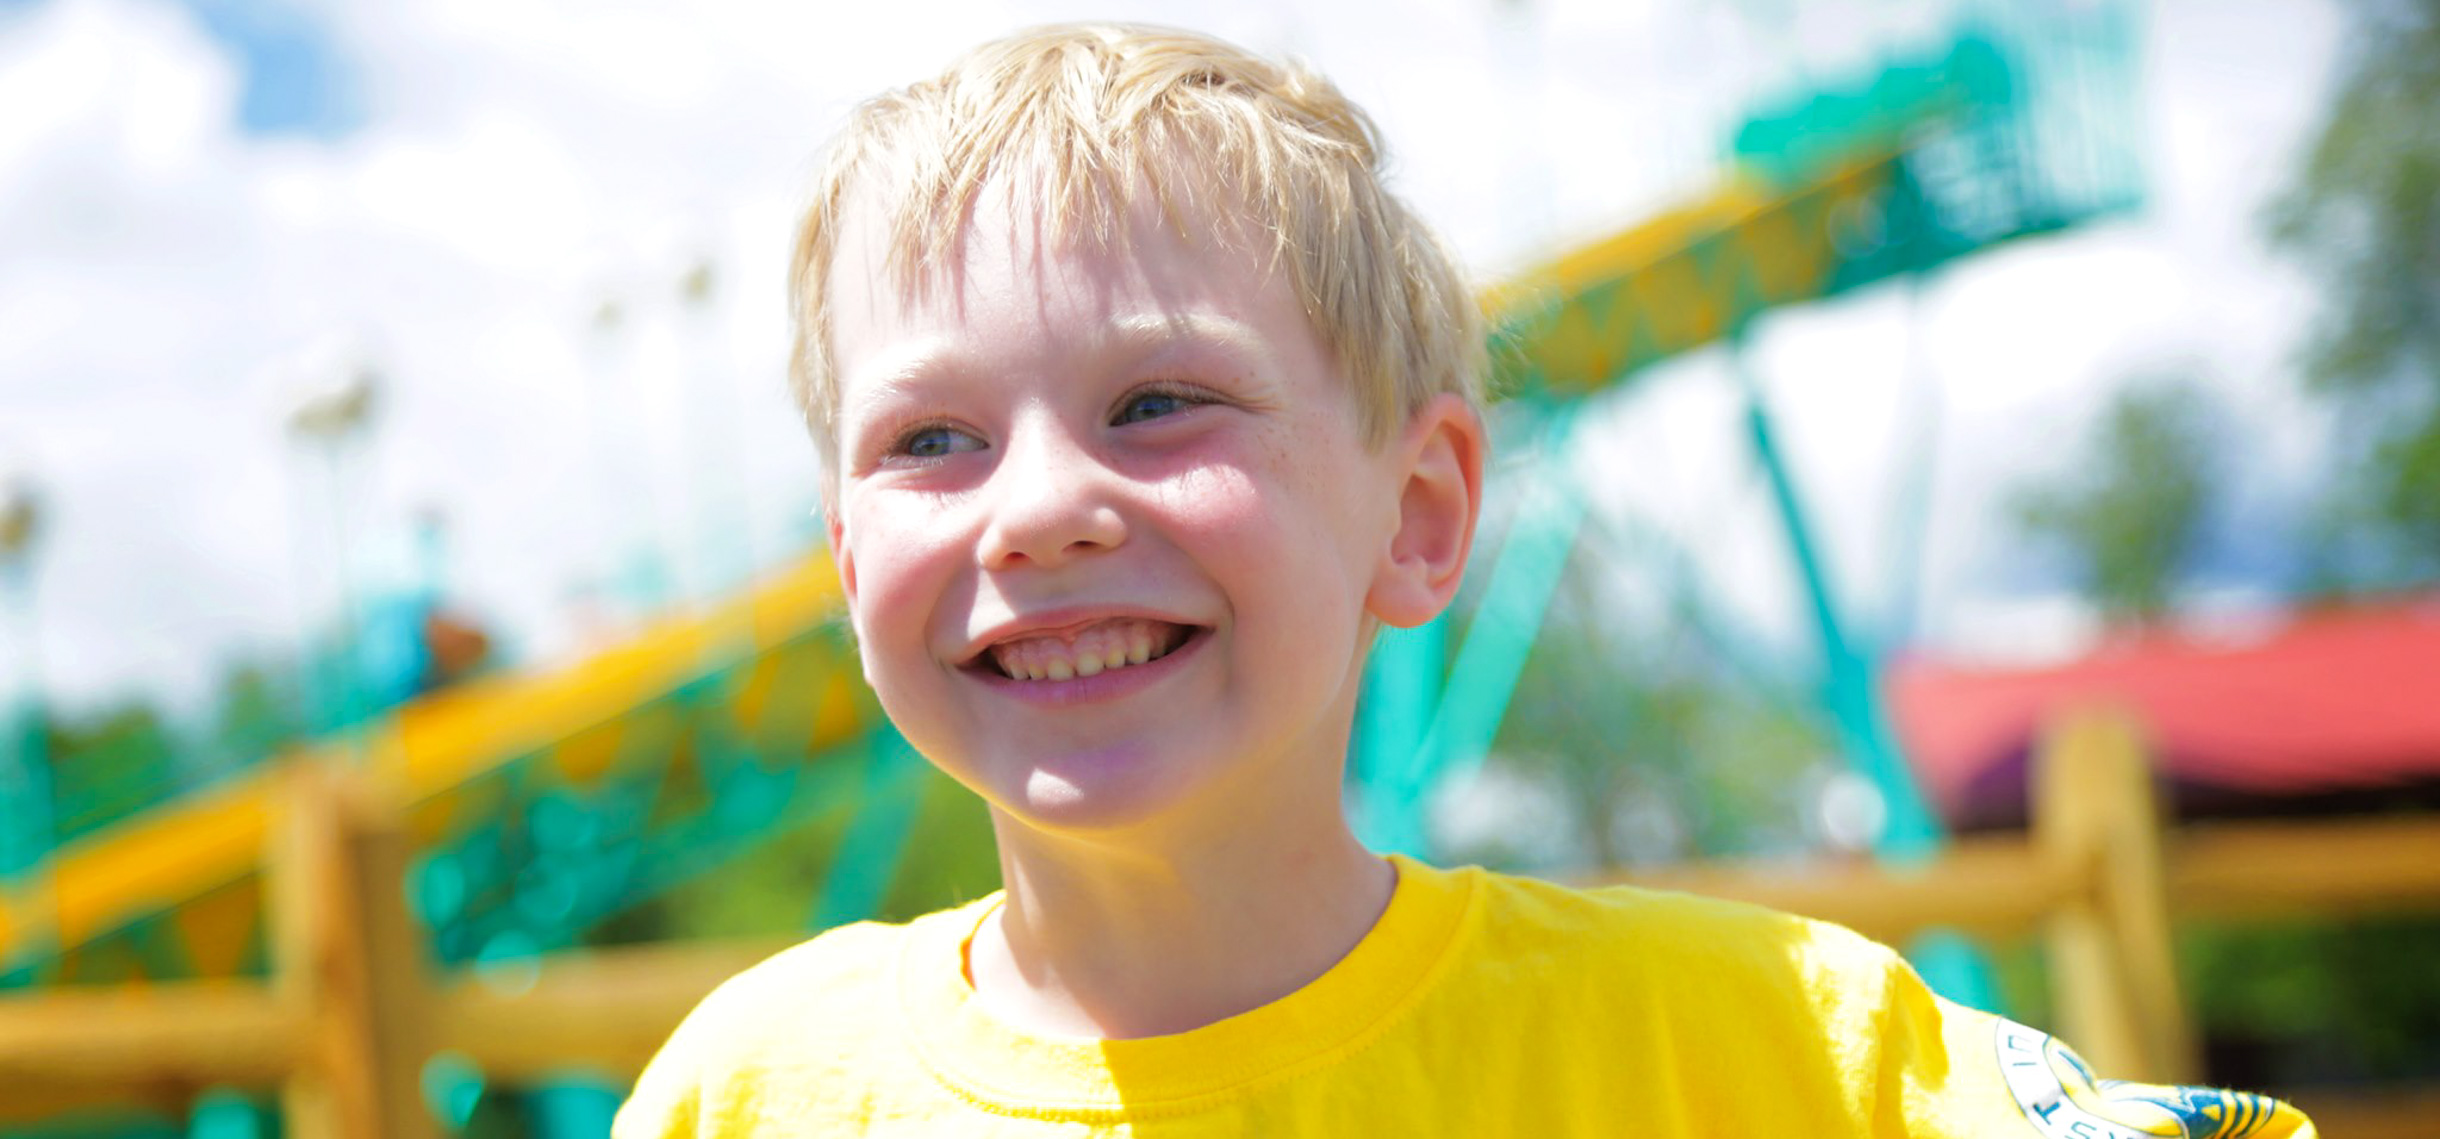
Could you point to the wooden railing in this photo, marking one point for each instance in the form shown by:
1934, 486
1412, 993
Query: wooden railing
2103, 884
350, 1015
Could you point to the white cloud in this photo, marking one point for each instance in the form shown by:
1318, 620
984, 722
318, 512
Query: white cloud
524, 159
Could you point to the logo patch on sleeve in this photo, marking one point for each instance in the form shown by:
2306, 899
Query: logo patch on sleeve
2062, 1100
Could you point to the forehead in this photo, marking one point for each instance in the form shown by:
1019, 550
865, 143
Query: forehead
1023, 278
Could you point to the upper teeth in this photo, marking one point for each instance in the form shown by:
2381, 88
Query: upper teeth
1095, 649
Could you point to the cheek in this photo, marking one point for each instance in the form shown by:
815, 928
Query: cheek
1212, 500
1274, 526
902, 572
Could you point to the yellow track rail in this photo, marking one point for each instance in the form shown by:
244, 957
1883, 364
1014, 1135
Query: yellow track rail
193, 848
1582, 321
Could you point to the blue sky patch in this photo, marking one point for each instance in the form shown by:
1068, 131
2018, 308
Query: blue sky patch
297, 79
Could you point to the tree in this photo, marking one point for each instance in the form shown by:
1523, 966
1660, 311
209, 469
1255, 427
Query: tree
2364, 213
257, 714
110, 764
2129, 512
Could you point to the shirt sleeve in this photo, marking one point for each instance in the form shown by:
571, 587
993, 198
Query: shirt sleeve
668, 1099
1960, 1072
664, 1104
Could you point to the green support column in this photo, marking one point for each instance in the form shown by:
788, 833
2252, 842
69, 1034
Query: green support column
1401, 694
869, 854
25, 792
1847, 682
574, 1105
1508, 620
27, 817
1402, 759
28, 810
1912, 832
225, 1113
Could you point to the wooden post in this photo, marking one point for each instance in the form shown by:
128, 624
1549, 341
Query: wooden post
345, 956
2112, 957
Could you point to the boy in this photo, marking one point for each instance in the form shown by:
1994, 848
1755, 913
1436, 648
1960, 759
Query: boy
1143, 407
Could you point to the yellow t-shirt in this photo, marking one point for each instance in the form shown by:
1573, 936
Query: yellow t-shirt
1479, 1005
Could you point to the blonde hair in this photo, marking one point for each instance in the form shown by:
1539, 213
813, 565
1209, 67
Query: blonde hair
1098, 113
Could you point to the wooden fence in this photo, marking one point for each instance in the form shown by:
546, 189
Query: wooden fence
351, 1014
2103, 883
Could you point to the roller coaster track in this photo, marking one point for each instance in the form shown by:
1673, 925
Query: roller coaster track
712, 727
776, 676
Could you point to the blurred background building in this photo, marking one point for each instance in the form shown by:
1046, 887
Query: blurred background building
399, 385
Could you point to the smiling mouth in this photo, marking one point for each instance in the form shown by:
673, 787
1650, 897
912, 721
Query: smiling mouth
1100, 647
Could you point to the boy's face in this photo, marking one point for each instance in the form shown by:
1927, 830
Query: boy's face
1107, 525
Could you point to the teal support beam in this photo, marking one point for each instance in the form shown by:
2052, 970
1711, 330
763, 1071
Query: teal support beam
453, 1087
574, 1106
1401, 769
1505, 625
869, 854
1911, 833
27, 819
224, 1113
29, 808
25, 792
1852, 699
1401, 695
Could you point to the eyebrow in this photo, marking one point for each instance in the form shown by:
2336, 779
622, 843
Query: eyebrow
905, 366
1152, 332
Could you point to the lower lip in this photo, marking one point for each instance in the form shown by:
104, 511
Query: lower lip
1109, 684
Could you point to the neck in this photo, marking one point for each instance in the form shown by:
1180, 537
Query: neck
1105, 942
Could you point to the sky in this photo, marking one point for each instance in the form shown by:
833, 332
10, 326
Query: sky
212, 209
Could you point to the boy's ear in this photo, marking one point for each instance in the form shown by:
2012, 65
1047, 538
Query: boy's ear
1439, 497
839, 555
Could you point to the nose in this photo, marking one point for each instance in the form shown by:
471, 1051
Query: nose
1050, 500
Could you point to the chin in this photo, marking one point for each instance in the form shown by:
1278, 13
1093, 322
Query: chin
1097, 792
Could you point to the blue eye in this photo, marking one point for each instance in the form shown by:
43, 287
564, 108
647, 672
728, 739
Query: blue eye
1150, 405
936, 442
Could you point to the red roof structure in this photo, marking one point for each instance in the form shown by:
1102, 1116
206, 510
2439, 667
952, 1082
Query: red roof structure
2317, 703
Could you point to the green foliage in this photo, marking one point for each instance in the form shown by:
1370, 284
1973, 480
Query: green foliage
2365, 210
108, 765
2020, 972
2364, 213
2129, 510
114, 761
2321, 1002
258, 714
